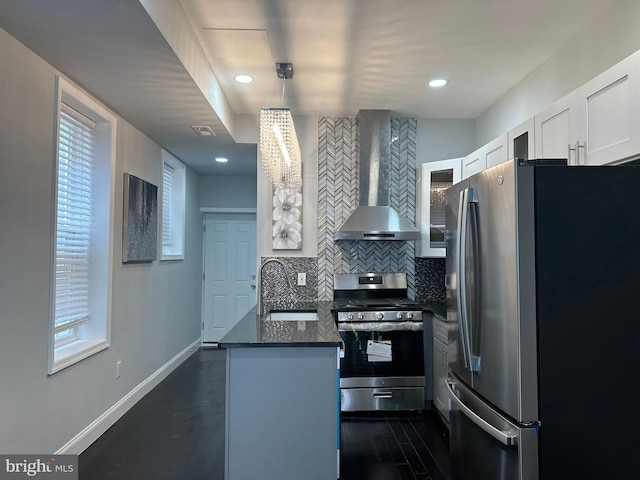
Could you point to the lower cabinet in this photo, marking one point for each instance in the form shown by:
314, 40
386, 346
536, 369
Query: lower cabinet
440, 364
282, 418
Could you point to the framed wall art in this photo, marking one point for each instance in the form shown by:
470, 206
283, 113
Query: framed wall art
287, 218
140, 220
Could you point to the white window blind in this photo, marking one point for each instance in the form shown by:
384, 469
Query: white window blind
167, 204
76, 165
173, 207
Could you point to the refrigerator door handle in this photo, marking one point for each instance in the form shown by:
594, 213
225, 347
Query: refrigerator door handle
474, 321
468, 196
508, 438
461, 267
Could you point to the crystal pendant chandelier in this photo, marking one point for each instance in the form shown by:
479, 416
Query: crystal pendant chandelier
279, 148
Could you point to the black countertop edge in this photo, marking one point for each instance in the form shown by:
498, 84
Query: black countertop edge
253, 331
291, 344
437, 309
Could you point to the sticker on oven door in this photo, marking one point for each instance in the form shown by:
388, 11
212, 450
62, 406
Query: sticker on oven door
379, 350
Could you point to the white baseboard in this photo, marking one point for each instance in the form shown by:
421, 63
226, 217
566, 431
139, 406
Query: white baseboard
90, 434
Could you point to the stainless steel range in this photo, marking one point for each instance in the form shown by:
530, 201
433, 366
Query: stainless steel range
383, 364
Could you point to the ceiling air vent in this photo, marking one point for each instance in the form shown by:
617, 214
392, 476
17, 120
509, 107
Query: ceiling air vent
203, 131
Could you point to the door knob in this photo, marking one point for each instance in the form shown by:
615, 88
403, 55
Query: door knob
253, 287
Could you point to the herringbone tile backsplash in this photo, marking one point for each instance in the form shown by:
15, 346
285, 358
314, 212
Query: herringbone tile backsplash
338, 169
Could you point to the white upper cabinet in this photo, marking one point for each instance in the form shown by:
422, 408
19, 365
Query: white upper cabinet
609, 115
433, 178
556, 130
596, 124
473, 163
493, 153
520, 141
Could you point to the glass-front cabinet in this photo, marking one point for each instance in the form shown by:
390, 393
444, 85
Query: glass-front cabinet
433, 179
520, 141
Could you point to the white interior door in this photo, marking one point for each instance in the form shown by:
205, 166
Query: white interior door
229, 272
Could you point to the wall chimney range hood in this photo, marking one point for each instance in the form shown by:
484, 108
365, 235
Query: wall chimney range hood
374, 218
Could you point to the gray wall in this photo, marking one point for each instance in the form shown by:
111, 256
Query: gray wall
228, 191
441, 139
155, 307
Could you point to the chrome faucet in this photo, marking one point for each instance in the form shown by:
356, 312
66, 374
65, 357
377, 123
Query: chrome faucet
259, 293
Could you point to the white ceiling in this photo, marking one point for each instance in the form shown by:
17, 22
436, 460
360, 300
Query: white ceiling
347, 55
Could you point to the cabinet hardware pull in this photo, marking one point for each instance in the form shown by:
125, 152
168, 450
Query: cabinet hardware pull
569, 155
581, 146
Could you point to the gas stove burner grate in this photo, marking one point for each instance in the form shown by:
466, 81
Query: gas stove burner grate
376, 304
393, 310
374, 297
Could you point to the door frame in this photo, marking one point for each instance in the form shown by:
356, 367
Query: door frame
204, 211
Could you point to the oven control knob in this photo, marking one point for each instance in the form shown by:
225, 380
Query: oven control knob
360, 316
399, 315
380, 316
350, 316
409, 315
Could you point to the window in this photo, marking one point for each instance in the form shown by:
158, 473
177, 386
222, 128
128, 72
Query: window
82, 237
173, 207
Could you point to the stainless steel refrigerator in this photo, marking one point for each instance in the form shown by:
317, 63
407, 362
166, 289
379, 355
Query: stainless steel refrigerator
543, 286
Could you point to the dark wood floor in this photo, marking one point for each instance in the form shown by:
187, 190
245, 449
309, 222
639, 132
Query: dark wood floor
394, 447
177, 432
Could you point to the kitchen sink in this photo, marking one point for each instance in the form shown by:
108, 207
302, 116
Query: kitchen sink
292, 315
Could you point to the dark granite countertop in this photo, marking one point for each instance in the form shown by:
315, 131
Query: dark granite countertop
253, 331
439, 310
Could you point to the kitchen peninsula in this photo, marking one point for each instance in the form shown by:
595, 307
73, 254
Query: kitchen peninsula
282, 402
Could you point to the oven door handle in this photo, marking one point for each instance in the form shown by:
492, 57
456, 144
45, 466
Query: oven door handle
380, 326
383, 395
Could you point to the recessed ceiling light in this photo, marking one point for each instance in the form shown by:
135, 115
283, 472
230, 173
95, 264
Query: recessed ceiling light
438, 82
221, 160
243, 78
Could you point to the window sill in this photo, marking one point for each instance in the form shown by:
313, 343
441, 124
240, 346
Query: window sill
171, 257
71, 353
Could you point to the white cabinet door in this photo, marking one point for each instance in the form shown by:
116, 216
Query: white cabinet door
609, 115
433, 179
520, 141
556, 131
495, 152
473, 163
489, 155
440, 396
441, 332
